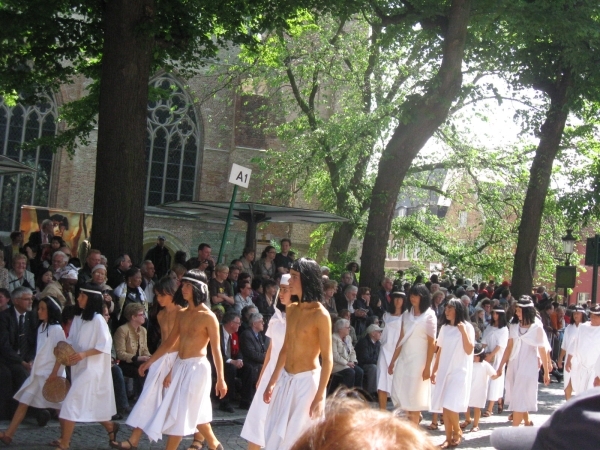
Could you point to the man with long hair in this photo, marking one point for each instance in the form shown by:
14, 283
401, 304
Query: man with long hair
296, 390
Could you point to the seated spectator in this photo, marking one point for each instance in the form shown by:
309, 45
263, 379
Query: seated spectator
59, 264
177, 272
284, 260
244, 297
148, 279
267, 301
232, 277
257, 289
362, 310
371, 320
328, 300
345, 364
220, 290
117, 376
345, 314
19, 276
4, 299
128, 292
237, 263
367, 354
42, 280
247, 311
14, 248
353, 268
219, 312
131, 344
347, 299
351, 423
253, 345
264, 268
180, 258
116, 275
345, 280
84, 275
247, 260
68, 281
385, 293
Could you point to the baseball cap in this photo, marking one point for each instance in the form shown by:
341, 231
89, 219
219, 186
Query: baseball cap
161, 238
373, 327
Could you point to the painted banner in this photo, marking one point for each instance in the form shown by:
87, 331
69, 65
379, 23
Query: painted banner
73, 227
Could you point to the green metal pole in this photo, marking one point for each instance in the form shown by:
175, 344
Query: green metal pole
235, 188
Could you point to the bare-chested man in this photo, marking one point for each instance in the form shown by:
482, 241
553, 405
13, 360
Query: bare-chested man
298, 395
186, 406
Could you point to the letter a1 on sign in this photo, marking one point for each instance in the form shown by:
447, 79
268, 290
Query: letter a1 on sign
240, 175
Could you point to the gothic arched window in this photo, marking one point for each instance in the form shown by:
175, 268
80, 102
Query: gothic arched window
173, 145
20, 124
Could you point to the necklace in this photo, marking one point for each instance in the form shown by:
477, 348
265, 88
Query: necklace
521, 333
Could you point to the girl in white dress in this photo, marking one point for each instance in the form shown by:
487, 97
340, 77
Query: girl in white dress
390, 337
49, 334
585, 353
91, 398
480, 380
411, 388
578, 317
495, 337
254, 426
453, 369
525, 344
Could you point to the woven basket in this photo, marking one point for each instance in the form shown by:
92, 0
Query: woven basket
56, 390
63, 351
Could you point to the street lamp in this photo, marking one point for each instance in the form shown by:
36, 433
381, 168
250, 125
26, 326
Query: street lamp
568, 242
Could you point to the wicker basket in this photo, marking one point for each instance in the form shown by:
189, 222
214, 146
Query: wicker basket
63, 351
56, 390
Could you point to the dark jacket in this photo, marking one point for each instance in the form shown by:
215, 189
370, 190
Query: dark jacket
115, 277
254, 349
367, 352
386, 305
161, 258
9, 336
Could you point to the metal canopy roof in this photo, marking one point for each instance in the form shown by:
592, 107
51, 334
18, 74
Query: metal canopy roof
252, 212
9, 166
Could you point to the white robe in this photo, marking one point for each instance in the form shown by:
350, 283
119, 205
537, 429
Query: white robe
569, 339
389, 340
523, 368
186, 403
453, 378
482, 372
152, 395
409, 391
585, 355
496, 337
92, 397
289, 411
254, 425
31, 390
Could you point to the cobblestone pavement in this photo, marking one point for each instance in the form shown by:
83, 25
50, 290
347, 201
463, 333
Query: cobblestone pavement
227, 428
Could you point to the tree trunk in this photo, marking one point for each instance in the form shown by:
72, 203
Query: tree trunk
340, 241
537, 188
428, 112
121, 162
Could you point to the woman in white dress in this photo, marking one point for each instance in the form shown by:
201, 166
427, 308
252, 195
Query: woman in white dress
411, 388
495, 338
452, 373
390, 337
525, 345
254, 426
585, 353
50, 333
578, 317
91, 398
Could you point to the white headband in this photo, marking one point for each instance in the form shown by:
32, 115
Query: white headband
525, 305
594, 312
499, 310
89, 291
203, 286
55, 302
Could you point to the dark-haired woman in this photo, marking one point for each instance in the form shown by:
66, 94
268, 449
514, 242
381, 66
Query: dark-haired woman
265, 267
411, 388
452, 372
495, 337
578, 317
353, 268
389, 338
49, 334
247, 260
526, 344
254, 426
91, 397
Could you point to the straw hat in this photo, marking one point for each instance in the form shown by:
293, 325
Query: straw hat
63, 351
56, 390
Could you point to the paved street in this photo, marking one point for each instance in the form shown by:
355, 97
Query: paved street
227, 427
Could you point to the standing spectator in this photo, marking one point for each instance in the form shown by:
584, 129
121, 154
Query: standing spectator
38, 241
345, 364
116, 275
329, 289
17, 345
353, 268
362, 311
495, 337
438, 306
148, 277
385, 294
247, 260
244, 297
220, 289
160, 257
203, 261
232, 357
411, 388
253, 346
283, 260
389, 340
180, 258
19, 276
367, 355
453, 370
265, 268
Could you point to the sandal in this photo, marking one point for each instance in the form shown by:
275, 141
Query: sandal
194, 446
54, 443
474, 430
465, 424
112, 435
456, 442
487, 413
59, 446
500, 405
433, 426
119, 445
446, 444
6, 440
